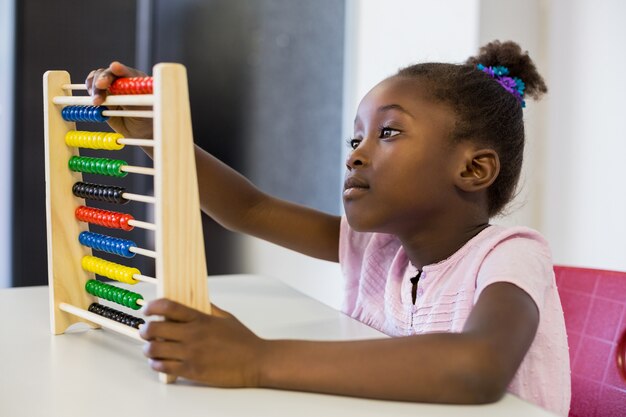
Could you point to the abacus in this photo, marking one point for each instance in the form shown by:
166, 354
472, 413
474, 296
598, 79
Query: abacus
180, 266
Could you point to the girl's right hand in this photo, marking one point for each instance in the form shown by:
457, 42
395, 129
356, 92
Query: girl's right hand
98, 82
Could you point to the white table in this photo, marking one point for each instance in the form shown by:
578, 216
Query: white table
93, 373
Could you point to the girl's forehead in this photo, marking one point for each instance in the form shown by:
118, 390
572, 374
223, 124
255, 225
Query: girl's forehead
391, 87
399, 93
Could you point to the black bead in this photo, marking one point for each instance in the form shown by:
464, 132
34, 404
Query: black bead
116, 315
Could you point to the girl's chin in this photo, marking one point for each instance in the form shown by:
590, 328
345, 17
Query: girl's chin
359, 224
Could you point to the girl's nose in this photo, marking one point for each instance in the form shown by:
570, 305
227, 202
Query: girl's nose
356, 159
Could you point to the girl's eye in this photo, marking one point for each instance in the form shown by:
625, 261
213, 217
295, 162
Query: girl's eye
353, 143
387, 132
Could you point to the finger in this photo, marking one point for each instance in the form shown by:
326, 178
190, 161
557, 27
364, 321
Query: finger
97, 92
104, 79
89, 81
120, 70
170, 310
218, 312
170, 367
164, 350
162, 330
99, 81
97, 95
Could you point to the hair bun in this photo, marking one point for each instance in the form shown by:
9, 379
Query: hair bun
509, 54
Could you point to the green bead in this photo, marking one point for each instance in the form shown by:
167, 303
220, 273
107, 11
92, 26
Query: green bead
119, 296
128, 299
112, 293
133, 303
100, 166
89, 286
72, 163
119, 169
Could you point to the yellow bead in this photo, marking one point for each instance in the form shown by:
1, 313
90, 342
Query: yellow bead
93, 140
110, 270
114, 145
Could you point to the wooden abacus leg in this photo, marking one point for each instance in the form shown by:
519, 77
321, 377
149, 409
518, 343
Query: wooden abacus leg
182, 273
66, 277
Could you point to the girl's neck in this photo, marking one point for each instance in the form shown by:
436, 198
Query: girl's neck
432, 246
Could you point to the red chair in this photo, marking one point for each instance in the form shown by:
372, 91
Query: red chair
594, 304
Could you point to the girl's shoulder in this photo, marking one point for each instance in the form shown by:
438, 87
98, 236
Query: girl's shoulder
514, 236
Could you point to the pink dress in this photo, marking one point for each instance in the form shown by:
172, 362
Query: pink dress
378, 293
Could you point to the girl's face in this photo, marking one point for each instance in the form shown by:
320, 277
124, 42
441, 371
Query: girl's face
400, 173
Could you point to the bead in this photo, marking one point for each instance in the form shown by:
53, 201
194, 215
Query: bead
109, 269
108, 193
107, 244
84, 114
102, 166
123, 221
114, 294
132, 85
116, 315
104, 218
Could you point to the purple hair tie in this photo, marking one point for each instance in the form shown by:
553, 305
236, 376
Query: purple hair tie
513, 85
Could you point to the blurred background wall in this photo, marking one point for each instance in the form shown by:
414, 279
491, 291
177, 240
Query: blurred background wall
274, 87
7, 63
265, 81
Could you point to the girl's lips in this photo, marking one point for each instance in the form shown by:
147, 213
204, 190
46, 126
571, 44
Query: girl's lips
355, 182
354, 192
354, 187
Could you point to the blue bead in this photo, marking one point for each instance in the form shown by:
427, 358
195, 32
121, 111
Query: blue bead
100, 117
109, 244
127, 246
84, 114
83, 238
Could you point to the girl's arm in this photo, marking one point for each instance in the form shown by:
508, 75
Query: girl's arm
235, 203
474, 366
227, 196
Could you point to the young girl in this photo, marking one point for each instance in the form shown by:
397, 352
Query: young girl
436, 152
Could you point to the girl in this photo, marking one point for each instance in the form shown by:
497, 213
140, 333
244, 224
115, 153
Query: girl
436, 152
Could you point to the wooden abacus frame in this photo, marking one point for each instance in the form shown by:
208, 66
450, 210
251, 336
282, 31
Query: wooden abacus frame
181, 272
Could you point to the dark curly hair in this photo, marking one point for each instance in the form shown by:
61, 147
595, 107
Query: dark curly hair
485, 111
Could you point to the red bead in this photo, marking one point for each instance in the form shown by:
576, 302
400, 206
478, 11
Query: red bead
104, 218
131, 85
124, 222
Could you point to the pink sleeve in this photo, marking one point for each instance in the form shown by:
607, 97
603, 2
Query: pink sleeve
352, 248
350, 259
522, 259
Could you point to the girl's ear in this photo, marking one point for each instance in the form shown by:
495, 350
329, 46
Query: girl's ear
479, 170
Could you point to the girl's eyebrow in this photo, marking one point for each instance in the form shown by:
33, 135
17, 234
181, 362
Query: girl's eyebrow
388, 107
398, 107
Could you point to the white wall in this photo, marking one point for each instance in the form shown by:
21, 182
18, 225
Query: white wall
7, 14
585, 197
572, 179
524, 22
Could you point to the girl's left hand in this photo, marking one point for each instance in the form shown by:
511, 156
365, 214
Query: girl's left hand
214, 349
